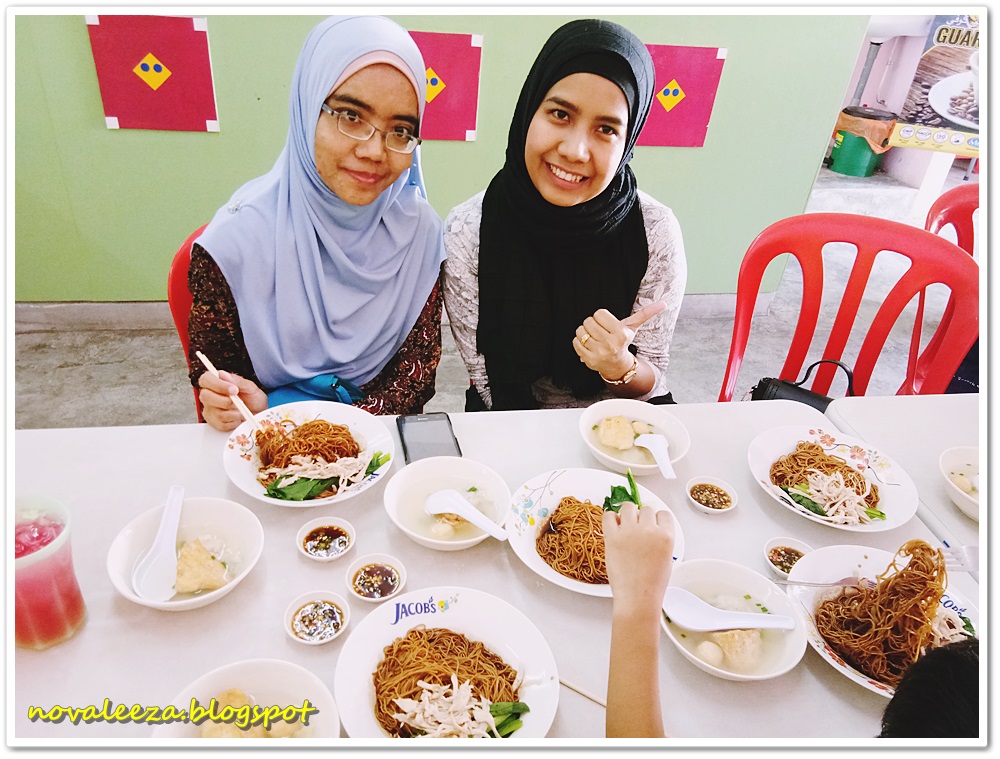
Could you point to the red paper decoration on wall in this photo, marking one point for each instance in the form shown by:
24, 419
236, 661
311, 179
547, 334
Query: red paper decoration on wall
453, 62
154, 72
687, 79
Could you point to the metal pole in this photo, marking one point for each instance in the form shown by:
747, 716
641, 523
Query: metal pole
873, 48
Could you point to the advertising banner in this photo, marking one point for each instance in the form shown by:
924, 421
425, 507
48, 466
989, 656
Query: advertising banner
942, 108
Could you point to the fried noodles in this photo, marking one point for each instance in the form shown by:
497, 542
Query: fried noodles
845, 491
316, 449
571, 541
434, 656
881, 631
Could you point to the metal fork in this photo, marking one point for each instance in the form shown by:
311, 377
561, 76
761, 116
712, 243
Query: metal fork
844, 581
956, 559
961, 558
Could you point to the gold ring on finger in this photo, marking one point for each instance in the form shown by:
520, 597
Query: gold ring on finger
584, 339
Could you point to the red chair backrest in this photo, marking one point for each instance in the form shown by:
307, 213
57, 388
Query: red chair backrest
179, 297
932, 259
956, 207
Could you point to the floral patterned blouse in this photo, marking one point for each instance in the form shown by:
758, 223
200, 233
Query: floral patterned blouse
403, 386
665, 280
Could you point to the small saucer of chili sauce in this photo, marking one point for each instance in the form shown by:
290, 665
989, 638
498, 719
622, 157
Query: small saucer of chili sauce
782, 553
711, 495
375, 577
326, 538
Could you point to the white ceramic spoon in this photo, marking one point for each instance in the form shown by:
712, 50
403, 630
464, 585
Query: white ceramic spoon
658, 446
452, 502
155, 572
690, 612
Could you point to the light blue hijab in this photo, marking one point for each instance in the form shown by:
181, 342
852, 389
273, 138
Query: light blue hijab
322, 286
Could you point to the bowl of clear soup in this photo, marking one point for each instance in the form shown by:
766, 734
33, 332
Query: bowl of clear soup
408, 490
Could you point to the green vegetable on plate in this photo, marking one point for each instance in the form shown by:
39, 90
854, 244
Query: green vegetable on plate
803, 500
377, 461
301, 490
507, 715
620, 495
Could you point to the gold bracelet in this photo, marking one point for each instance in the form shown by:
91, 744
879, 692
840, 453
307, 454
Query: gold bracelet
625, 378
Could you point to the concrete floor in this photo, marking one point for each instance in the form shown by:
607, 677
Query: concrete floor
68, 376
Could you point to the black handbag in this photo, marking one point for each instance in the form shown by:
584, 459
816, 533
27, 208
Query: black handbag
770, 388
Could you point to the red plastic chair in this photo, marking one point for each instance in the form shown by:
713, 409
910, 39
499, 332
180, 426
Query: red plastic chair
933, 259
179, 298
954, 207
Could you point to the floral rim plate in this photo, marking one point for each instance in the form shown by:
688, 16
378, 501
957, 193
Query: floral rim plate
539, 497
897, 493
241, 461
504, 629
834, 562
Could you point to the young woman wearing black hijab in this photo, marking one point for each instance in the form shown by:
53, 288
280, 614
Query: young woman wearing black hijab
563, 280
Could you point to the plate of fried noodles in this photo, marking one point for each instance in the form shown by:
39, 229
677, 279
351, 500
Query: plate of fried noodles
900, 608
446, 662
554, 525
308, 453
833, 479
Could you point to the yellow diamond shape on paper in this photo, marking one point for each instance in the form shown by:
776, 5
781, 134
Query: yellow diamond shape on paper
434, 84
151, 71
670, 95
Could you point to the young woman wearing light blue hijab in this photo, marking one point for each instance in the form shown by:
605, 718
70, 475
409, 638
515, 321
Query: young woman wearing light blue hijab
319, 279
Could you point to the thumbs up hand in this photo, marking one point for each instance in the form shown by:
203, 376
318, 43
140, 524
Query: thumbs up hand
602, 340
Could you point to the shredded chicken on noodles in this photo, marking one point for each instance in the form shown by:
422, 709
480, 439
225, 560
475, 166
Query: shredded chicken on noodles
349, 469
447, 711
841, 502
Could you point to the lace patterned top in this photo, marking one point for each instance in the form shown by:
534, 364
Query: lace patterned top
665, 280
403, 386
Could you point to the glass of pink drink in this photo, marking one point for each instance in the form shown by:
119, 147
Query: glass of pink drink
48, 605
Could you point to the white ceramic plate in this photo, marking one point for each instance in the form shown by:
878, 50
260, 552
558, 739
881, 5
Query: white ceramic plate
242, 462
897, 493
943, 91
479, 616
832, 563
539, 497
271, 682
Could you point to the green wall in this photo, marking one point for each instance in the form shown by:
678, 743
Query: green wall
99, 213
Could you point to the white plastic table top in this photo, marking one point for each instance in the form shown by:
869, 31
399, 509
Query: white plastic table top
913, 430
131, 654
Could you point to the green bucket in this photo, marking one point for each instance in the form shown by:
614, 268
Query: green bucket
851, 154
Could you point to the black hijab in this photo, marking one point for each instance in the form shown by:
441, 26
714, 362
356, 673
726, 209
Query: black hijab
544, 268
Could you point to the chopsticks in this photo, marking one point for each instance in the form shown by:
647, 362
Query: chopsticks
586, 694
237, 401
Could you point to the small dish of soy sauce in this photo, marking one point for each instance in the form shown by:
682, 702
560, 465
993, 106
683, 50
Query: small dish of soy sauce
375, 577
326, 538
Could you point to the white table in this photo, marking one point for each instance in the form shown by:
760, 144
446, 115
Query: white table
132, 654
913, 430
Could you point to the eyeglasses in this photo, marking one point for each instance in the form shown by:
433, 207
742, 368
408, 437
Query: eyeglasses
398, 140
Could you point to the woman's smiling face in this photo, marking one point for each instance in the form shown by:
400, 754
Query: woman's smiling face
358, 171
576, 139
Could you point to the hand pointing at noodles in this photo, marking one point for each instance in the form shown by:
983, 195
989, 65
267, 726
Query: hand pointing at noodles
217, 403
602, 343
638, 546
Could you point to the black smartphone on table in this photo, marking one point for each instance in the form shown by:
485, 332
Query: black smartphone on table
426, 435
